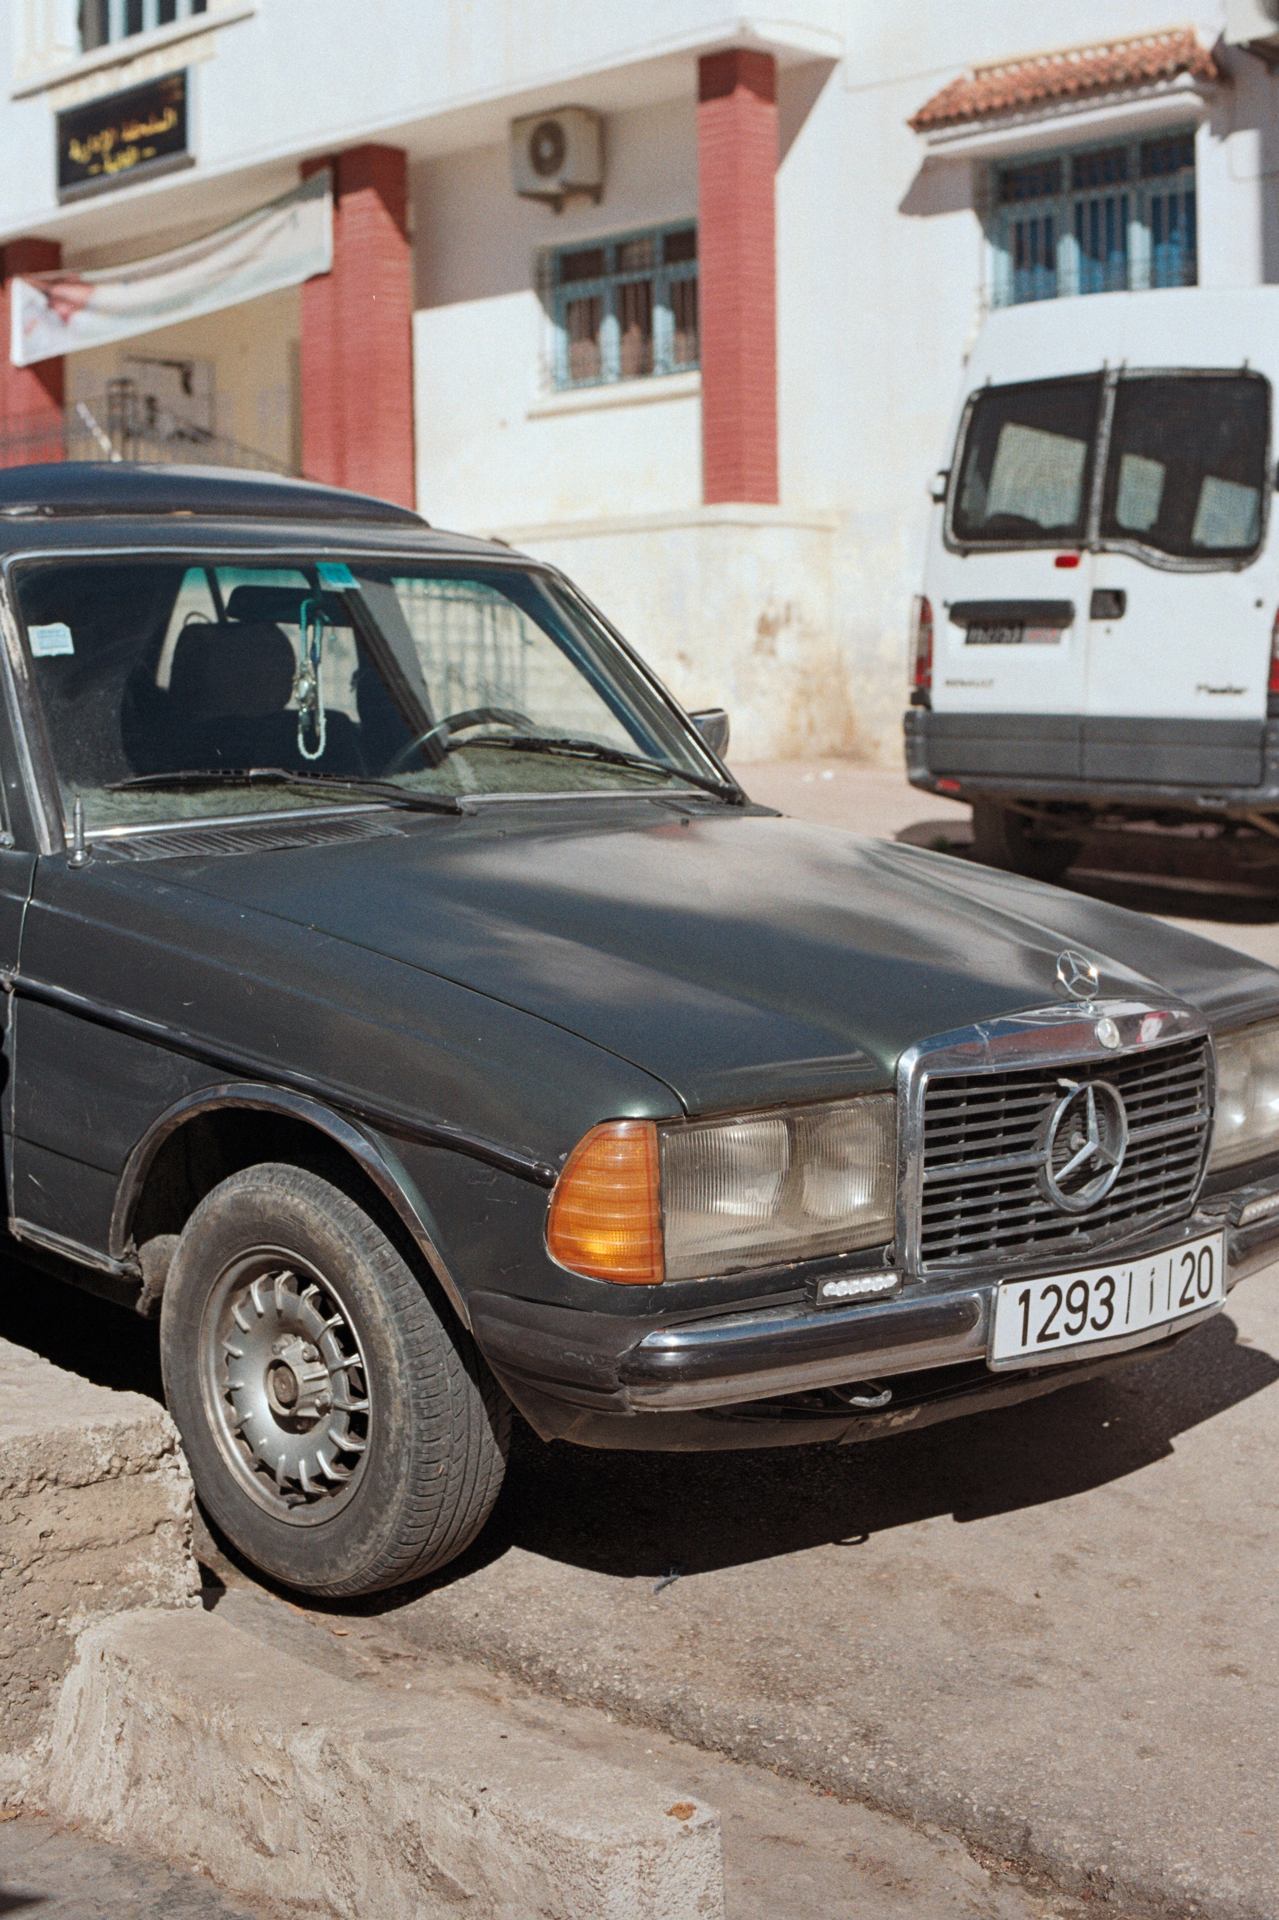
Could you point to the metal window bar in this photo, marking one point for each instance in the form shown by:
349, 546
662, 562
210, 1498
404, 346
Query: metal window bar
1095, 220
471, 642
636, 316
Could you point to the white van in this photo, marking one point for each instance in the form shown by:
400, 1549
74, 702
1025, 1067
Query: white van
1099, 628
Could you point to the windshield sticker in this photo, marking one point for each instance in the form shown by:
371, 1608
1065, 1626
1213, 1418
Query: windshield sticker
333, 574
49, 641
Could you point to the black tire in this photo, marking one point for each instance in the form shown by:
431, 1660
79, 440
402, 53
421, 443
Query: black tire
417, 1471
1004, 837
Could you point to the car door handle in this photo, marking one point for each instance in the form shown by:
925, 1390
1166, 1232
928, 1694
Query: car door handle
1107, 603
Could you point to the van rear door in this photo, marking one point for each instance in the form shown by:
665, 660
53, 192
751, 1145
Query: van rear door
1178, 634
1012, 640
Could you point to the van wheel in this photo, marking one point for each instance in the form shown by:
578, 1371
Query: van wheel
340, 1434
1005, 837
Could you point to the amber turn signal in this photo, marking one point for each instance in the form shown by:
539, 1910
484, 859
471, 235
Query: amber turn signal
606, 1217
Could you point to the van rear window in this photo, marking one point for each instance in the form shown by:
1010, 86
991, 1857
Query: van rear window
1026, 470
1187, 467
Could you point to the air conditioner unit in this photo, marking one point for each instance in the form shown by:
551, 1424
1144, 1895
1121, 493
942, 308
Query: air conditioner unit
1254, 25
557, 154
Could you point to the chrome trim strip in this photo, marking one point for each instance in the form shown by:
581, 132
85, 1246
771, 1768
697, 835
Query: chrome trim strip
715, 1362
1060, 1035
901, 1336
103, 836
74, 1250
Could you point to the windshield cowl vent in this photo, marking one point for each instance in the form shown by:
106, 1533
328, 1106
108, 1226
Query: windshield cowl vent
249, 836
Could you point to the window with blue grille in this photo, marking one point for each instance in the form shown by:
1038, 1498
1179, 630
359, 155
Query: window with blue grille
102, 21
624, 308
1095, 220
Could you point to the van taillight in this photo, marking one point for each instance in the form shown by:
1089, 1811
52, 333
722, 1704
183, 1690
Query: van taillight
1273, 685
921, 675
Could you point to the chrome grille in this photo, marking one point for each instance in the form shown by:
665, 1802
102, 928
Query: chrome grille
982, 1141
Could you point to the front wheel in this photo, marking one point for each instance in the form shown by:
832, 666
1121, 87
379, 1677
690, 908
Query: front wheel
340, 1435
1005, 837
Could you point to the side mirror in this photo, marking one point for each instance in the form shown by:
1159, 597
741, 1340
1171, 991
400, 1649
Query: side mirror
938, 484
713, 725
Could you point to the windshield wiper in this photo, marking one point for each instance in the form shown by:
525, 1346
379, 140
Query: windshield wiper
192, 778
584, 749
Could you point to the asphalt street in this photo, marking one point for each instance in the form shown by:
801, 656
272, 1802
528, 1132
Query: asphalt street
1048, 1633
1052, 1629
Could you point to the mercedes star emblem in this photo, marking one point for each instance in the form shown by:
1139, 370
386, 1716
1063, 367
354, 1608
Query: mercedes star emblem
1077, 974
1084, 1145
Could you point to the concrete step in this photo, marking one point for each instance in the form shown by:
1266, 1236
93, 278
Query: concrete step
286, 1783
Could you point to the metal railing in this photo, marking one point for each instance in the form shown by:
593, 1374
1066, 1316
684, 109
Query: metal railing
124, 424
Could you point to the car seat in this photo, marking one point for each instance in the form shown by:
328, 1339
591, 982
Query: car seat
229, 691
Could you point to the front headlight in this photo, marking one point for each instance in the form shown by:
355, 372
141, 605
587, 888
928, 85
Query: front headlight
1247, 1123
639, 1203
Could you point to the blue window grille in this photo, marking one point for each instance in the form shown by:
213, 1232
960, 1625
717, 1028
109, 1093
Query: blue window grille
1095, 220
102, 21
624, 308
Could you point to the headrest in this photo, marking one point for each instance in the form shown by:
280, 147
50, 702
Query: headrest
228, 667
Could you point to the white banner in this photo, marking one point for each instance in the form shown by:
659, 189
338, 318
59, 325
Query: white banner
278, 245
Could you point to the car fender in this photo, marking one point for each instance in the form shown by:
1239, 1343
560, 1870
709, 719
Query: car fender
373, 1156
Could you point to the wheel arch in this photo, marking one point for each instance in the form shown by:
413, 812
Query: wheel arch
203, 1137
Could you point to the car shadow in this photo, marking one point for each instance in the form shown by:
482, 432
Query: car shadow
106, 1343
1172, 878
652, 1515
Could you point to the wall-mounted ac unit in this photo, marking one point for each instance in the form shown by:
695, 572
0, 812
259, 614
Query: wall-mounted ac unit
557, 154
1254, 24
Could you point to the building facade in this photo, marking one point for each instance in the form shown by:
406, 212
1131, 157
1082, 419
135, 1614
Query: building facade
678, 297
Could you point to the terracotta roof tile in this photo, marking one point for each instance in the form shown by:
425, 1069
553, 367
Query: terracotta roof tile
1014, 86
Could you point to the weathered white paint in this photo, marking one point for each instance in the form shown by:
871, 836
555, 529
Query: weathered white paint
881, 275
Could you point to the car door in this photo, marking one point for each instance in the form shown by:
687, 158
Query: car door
1182, 598
1011, 631
23, 828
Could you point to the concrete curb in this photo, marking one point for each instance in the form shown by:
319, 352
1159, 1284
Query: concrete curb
95, 1517
180, 1733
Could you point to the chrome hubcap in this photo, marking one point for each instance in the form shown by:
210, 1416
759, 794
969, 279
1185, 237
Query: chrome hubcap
286, 1385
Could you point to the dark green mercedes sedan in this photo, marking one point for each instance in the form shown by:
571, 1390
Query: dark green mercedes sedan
405, 1002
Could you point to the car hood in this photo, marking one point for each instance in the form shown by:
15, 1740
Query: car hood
742, 958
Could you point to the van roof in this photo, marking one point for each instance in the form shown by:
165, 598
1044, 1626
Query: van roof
1167, 327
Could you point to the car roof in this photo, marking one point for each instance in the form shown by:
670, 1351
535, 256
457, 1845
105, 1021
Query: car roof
74, 504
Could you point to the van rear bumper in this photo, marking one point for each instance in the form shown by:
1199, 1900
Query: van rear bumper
1210, 766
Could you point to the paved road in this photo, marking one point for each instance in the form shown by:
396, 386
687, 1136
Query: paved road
1051, 1630
52, 1875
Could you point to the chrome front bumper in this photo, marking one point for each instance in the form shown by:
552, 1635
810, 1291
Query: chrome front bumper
735, 1358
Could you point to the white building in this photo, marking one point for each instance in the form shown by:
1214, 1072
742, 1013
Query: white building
714, 376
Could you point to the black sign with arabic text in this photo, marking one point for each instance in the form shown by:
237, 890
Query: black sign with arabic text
123, 137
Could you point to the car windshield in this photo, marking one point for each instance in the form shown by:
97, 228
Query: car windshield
1185, 469
192, 689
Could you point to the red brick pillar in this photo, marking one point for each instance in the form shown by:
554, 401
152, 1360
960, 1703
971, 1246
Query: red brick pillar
31, 398
357, 345
737, 297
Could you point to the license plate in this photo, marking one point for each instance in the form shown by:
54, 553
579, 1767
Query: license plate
1009, 635
1036, 1320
